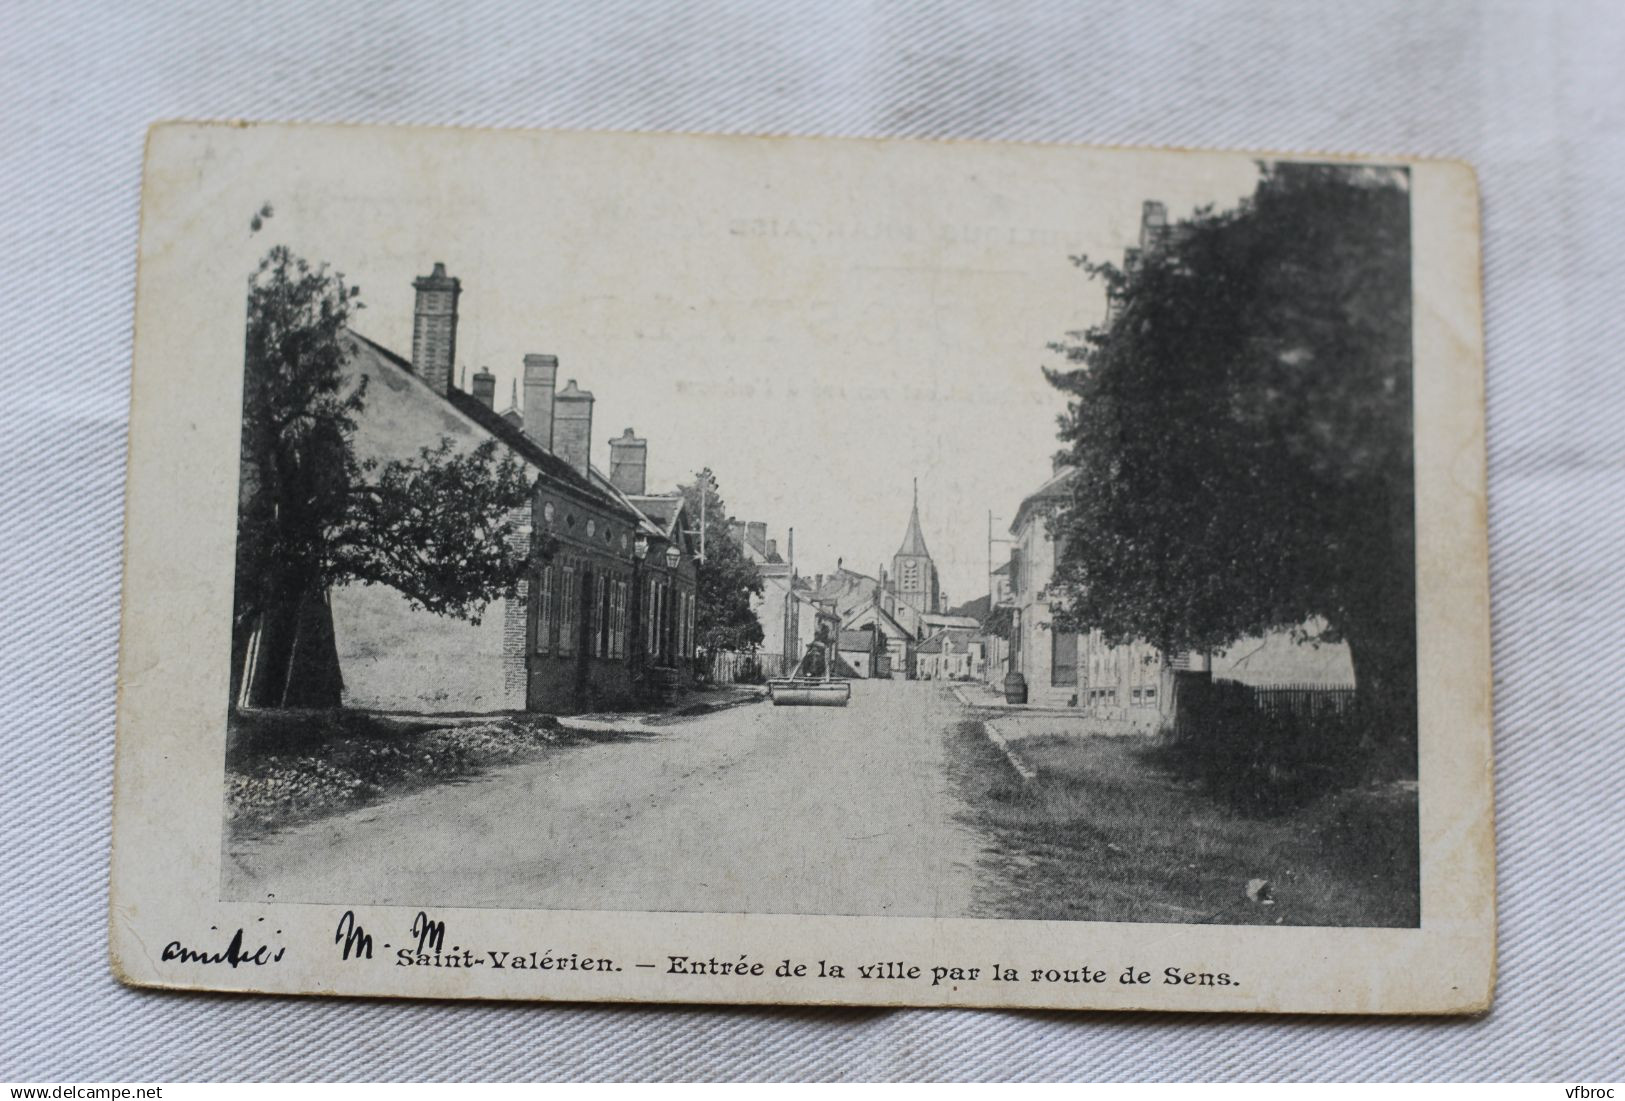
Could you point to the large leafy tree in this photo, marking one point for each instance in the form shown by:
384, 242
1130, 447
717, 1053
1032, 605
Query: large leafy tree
1240, 428
726, 580
439, 528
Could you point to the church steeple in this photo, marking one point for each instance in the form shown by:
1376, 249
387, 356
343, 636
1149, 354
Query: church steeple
913, 541
913, 572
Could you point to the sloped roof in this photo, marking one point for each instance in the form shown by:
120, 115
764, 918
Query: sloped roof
881, 615
948, 639
913, 539
556, 470
847, 589
662, 510
760, 547
857, 640
843, 581
975, 610
1058, 488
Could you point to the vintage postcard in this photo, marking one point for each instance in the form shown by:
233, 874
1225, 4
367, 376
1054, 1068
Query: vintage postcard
573, 566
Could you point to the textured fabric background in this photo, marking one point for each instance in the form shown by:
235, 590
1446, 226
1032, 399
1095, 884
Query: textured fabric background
1531, 93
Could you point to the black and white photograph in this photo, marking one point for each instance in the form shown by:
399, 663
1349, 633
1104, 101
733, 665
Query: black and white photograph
899, 566
918, 544
750, 541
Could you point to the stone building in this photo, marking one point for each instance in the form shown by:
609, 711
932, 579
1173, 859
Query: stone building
897, 640
610, 611
913, 574
861, 654
792, 610
952, 653
1048, 658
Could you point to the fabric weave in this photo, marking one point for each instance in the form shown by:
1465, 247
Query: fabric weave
1529, 93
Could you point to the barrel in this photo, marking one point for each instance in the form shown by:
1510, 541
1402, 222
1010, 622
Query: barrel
1015, 688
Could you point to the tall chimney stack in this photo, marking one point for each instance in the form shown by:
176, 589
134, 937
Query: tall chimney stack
572, 427
790, 551
736, 532
485, 388
1153, 224
629, 463
541, 376
772, 547
434, 327
756, 531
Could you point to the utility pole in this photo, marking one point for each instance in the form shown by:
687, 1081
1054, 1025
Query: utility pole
992, 586
704, 480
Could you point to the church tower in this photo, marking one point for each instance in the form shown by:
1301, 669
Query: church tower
914, 575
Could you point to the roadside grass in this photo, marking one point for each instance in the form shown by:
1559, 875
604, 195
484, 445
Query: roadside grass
1106, 831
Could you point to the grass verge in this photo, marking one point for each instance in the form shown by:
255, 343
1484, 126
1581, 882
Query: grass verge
1107, 832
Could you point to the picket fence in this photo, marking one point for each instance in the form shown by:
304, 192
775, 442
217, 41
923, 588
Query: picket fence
1198, 699
741, 666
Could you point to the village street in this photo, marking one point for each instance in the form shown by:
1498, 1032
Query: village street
811, 810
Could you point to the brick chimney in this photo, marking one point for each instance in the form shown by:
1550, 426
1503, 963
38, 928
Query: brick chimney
736, 532
629, 463
1153, 225
485, 388
572, 427
541, 376
772, 547
756, 533
434, 327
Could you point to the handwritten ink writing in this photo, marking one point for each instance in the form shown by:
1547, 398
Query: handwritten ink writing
353, 937
234, 953
431, 934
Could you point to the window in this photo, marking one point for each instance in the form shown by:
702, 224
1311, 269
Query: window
600, 615
649, 619
662, 639
618, 638
569, 611
544, 610
688, 625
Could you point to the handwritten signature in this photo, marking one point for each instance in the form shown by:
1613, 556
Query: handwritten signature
234, 954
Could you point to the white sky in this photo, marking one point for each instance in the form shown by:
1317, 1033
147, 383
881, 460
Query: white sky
817, 321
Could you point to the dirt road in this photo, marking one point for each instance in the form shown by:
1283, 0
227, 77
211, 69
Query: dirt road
756, 809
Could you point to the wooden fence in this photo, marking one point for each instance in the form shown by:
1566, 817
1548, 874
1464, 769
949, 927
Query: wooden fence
740, 666
1306, 701
1200, 702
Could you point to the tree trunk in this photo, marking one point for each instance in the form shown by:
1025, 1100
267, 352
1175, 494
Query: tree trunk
296, 663
1385, 681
